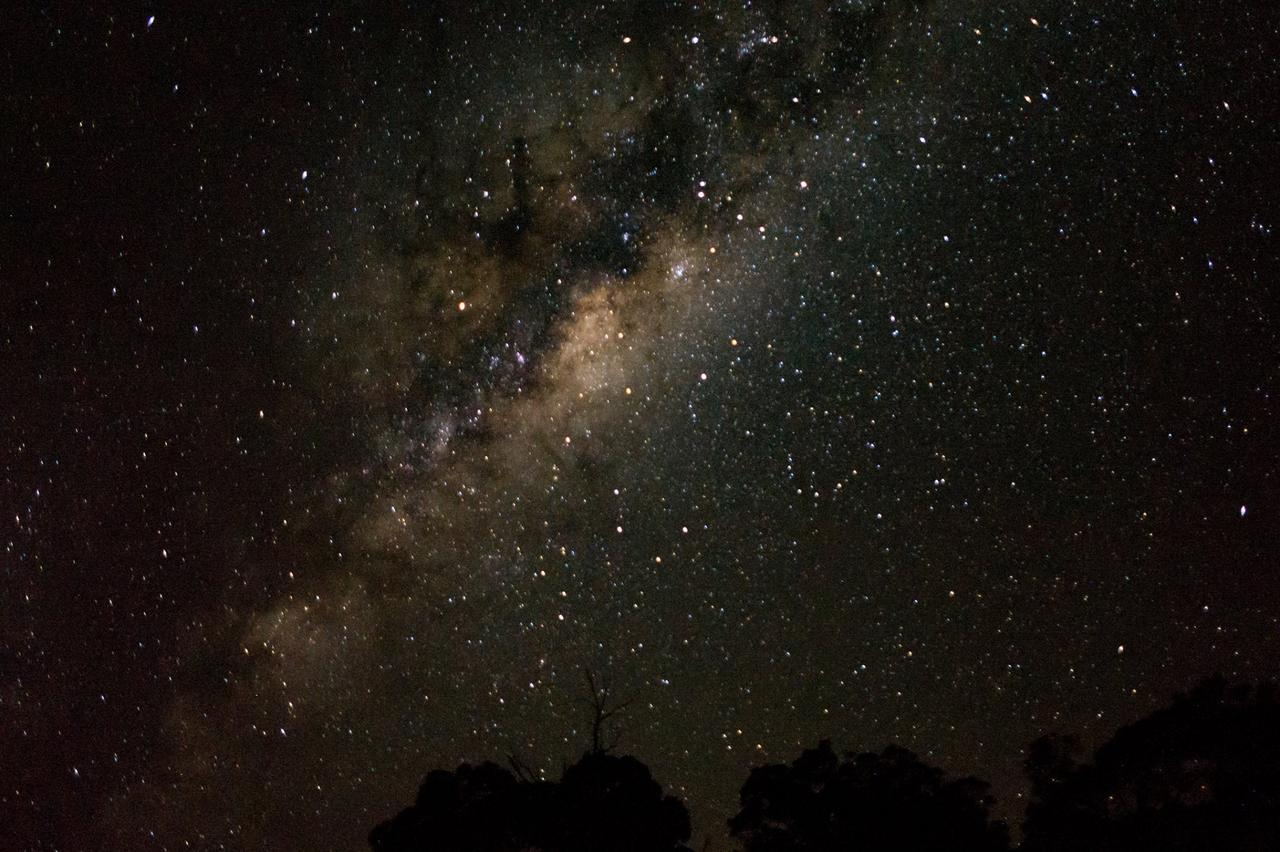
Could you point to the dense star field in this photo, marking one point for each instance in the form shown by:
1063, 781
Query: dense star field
874, 371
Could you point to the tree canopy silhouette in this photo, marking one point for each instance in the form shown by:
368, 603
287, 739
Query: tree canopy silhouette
602, 802
1202, 774
866, 802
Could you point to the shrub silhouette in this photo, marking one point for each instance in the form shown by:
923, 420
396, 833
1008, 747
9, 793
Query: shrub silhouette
871, 802
1202, 774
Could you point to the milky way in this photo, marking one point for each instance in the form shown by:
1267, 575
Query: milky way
879, 371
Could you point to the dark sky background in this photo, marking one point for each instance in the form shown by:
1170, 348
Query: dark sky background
880, 371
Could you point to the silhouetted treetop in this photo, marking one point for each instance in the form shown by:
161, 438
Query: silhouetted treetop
871, 802
613, 802
603, 802
1202, 774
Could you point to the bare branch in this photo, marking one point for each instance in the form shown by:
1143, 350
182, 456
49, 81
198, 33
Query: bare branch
602, 711
522, 770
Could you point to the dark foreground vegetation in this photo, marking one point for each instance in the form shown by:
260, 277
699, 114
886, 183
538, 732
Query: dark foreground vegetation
1201, 774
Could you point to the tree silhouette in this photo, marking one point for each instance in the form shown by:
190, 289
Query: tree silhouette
610, 802
473, 808
603, 708
867, 802
603, 802
1202, 774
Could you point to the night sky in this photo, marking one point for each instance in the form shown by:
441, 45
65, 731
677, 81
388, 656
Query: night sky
879, 371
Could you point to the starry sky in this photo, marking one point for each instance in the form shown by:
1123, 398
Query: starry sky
879, 370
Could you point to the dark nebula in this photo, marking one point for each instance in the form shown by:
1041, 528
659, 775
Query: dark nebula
880, 372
